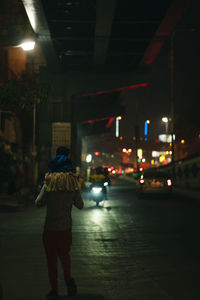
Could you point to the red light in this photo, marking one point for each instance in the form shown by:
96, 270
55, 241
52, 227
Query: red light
141, 181
134, 86
96, 153
152, 51
111, 120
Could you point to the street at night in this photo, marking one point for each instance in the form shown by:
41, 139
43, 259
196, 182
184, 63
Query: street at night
127, 248
99, 149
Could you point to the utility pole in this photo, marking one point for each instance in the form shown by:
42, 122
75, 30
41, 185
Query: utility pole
137, 135
34, 149
73, 131
172, 99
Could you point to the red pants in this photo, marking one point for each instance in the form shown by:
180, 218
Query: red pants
57, 245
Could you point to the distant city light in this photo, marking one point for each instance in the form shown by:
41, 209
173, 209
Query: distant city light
145, 128
88, 158
159, 153
166, 138
139, 153
165, 119
162, 158
146, 123
182, 141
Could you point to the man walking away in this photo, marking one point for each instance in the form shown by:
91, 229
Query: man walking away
60, 192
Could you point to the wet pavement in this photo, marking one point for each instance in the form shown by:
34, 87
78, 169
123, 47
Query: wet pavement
127, 248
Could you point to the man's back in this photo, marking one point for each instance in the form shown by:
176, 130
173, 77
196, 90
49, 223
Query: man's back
59, 205
60, 192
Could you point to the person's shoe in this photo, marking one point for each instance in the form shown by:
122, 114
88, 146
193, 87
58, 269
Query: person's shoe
71, 287
52, 294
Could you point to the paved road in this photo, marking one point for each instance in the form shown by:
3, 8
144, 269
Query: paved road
128, 248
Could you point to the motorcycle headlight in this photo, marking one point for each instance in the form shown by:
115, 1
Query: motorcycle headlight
96, 190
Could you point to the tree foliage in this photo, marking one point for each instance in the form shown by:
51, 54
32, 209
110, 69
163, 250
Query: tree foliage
18, 94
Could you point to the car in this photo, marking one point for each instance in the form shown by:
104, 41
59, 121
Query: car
154, 182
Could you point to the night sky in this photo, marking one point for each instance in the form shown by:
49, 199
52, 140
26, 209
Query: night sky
154, 100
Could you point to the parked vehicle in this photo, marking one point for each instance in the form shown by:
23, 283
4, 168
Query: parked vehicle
154, 182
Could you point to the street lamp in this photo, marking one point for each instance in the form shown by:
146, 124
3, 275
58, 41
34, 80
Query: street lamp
146, 123
117, 126
27, 45
166, 121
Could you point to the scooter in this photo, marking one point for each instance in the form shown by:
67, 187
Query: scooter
98, 193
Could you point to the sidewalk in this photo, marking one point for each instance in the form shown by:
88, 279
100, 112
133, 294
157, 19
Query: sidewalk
15, 202
9, 203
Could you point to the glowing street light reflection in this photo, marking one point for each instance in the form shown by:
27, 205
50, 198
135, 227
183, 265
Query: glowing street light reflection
97, 216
